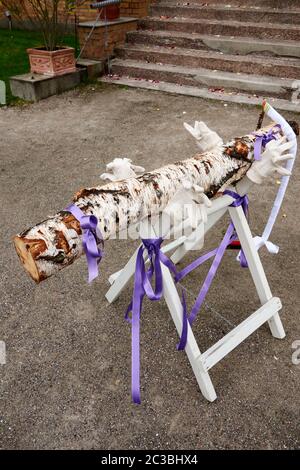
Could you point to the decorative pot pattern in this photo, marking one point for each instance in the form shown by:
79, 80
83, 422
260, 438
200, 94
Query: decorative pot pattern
52, 63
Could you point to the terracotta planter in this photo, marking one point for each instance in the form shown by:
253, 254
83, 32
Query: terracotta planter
52, 63
112, 12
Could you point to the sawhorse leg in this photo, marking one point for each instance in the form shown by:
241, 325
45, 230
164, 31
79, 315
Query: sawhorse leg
202, 362
192, 350
175, 307
255, 266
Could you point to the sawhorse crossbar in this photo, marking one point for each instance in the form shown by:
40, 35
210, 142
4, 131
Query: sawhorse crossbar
202, 362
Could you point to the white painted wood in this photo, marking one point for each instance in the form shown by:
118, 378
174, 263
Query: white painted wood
192, 350
255, 266
175, 307
201, 363
218, 209
195, 238
215, 213
114, 276
230, 341
188, 243
172, 245
2, 92
122, 279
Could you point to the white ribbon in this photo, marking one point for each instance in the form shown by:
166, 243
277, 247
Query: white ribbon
271, 247
291, 137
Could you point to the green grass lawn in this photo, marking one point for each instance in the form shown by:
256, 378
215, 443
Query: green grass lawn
13, 55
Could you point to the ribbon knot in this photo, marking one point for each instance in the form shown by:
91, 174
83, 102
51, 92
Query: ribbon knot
91, 236
244, 202
89, 222
152, 246
238, 200
262, 140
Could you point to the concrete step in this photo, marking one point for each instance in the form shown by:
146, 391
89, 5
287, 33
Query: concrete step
225, 44
199, 77
91, 68
226, 28
241, 3
202, 92
225, 13
277, 67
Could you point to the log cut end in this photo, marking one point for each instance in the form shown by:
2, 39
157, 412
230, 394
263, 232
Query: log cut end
25, 253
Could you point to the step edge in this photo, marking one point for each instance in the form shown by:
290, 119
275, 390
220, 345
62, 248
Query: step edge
278, 60
224, 8
291, 83
262, 25
239, 98
216, 37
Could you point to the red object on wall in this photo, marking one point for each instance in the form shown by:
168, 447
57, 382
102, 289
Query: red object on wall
110, 13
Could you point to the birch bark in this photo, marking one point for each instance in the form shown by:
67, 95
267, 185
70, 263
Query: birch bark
57, 242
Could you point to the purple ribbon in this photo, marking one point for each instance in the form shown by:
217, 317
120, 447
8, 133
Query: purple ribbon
91, 236
244, 202
218, 254
262, 140
142, 287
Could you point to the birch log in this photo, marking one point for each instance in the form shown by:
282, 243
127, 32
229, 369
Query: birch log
57, 242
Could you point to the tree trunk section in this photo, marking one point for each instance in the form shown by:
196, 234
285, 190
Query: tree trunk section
57, 242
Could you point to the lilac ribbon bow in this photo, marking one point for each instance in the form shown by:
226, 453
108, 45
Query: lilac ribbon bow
142, 287
218, 254
262, 140
90, 239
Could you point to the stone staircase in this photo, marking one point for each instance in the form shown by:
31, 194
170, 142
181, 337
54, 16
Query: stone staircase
237, 53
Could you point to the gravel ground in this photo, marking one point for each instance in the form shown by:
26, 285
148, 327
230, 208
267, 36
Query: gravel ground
66, 383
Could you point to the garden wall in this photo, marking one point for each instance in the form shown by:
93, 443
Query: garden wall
100, 43
132, 8
135, 8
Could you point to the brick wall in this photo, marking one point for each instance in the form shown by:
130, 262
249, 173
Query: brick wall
24, 17
85, 13
135, 8
96, 47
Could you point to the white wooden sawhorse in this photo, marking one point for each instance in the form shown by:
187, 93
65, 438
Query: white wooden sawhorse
268, 312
